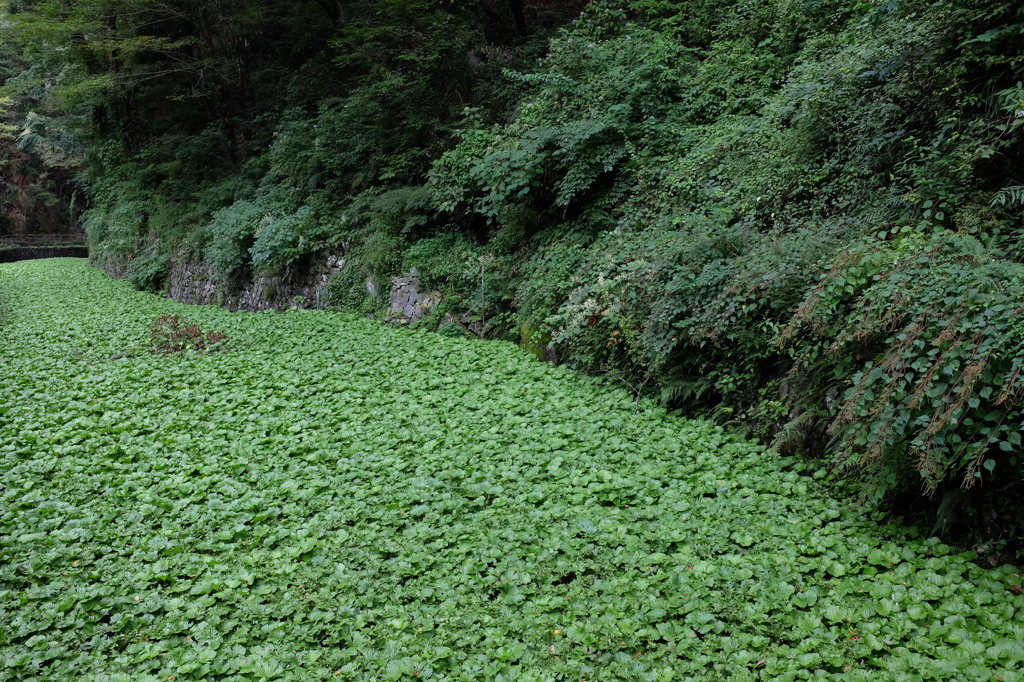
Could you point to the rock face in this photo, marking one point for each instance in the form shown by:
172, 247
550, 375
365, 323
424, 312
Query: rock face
407, 303
193, 282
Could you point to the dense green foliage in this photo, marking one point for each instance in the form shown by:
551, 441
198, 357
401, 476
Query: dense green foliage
38, 159
798, 216
795, 223
325, 498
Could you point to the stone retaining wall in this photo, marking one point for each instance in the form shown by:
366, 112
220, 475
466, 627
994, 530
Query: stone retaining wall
192, 281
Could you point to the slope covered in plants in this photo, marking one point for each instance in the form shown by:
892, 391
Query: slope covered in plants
314, 496
799, 217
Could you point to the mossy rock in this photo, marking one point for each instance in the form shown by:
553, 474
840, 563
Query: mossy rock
537, 342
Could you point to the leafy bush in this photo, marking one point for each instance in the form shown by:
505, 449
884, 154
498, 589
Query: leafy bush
443, 261
353, 290
281, 238
577, 126
115, 233
148, 270
231, 235
943, 338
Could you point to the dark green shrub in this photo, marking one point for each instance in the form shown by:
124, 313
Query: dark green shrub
230, 234
937, 322
353, 290
148, 270
445, 261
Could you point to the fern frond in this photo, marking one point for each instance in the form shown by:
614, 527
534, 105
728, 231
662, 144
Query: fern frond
794, 434
949, 512
1012, 196
685, 390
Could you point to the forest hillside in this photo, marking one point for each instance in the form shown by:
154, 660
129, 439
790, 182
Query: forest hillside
192, 493
799, 217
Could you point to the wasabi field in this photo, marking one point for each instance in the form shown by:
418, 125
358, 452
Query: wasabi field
314, 496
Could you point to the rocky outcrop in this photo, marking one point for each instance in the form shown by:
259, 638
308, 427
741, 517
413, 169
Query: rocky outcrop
407, 302
191, 281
